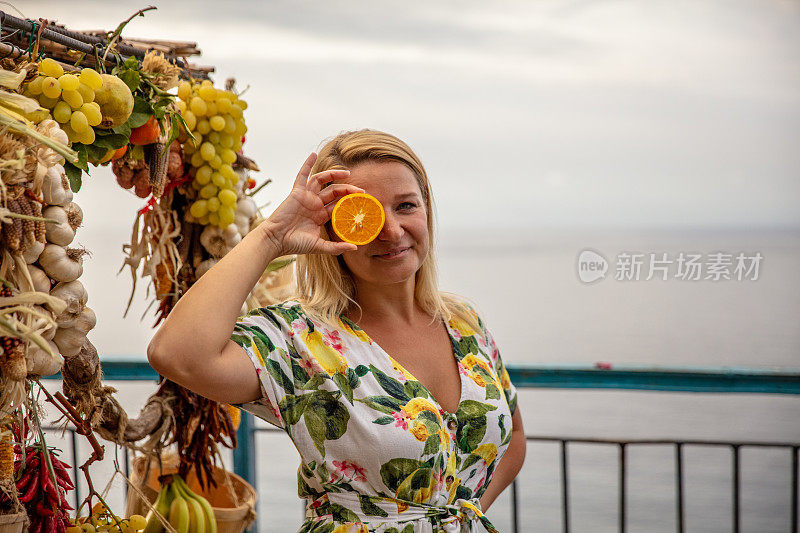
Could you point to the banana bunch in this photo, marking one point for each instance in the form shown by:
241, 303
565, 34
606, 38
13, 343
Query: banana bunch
185, 510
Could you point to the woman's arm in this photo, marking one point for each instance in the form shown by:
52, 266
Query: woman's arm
510, 464
193, 347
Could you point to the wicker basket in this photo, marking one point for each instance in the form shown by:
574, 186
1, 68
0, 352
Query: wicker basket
12, 523
233, 499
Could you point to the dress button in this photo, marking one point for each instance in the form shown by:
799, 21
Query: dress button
451, 425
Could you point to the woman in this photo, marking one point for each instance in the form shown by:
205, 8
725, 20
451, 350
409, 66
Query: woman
393, 392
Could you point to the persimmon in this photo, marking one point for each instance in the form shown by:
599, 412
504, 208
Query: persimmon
119, 153
358, 218
147, 133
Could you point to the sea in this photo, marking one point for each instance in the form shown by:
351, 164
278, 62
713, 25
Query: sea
540, 309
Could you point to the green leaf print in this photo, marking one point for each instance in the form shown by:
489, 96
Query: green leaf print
408, 529
463, 493
313, 383
394, 471
429, 418
468, 345
419, 479
352, 378
390, 385
502, 426
279, 375
469, 409
344, 385
299, 373
369, 508
415, 389
292, 407
241, 340
431, 445
342, 514
471, 434
262, 342
383, 420
362, 370
492, 392
325, 418
384, 404
316, 429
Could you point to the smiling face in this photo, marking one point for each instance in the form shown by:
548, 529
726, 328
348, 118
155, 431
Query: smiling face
402, 245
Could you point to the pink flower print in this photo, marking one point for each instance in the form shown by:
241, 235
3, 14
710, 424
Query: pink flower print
333, 340
462, 369
310, 365
298, 325
456, 334
480, 483
350, 470
400, 420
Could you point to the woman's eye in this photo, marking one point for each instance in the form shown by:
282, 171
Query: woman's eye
409, 204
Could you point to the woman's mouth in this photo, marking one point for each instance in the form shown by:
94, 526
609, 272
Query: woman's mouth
393, 254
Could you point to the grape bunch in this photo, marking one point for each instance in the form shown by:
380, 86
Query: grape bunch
69, 97
215, 119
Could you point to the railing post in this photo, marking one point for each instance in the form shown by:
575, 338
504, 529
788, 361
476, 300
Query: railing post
244, 456
244, 460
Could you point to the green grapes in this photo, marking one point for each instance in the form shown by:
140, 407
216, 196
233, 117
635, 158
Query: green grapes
214, 118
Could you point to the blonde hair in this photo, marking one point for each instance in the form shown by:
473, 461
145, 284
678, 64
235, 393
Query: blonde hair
325, 287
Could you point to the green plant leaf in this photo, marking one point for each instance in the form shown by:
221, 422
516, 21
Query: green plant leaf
131, 78
74, 175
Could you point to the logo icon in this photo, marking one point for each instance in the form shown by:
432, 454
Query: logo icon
591, 266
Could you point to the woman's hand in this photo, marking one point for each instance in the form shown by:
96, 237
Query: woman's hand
294, 226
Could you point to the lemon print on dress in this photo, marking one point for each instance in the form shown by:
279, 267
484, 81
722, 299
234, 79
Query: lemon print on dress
487, 452
328, 358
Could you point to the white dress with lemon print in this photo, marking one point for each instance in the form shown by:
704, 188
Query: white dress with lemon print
378, 453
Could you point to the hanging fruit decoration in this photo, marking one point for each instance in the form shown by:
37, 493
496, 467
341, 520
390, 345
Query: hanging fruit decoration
172, 138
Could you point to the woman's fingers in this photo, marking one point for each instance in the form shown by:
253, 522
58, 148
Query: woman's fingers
305, 170
336, 191
335, 248
316, 181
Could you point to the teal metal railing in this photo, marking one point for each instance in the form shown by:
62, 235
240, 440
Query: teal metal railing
725, 380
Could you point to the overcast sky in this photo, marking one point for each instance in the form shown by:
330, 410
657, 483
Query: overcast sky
526, 114
529, 116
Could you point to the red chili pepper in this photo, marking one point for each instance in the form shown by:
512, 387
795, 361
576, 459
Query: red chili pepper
47, 483
25, 479
42, 510
30, 492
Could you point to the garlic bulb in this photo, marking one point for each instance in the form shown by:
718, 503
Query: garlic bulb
204, 267
214, 241
42, 326
32, 253
41, 363
55, 187
74, 214
231, 235
41, 283
246, 206
70, 340
61, 233
242, 224
62, 264
75, 296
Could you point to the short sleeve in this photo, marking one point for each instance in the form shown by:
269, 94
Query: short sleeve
509, 390
264, 336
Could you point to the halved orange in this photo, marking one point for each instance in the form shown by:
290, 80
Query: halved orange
358, 218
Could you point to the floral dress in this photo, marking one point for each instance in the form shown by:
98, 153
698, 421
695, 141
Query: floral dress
378, 453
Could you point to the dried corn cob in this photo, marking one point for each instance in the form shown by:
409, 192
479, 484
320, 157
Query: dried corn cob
6, 456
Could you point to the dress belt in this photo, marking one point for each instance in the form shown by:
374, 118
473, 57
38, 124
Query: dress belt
450, 516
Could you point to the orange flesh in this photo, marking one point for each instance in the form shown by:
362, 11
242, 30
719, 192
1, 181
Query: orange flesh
357, 218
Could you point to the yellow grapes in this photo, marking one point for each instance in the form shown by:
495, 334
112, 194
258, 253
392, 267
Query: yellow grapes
69, 97
214, 118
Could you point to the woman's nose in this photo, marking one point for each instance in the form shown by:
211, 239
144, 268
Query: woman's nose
391, 229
